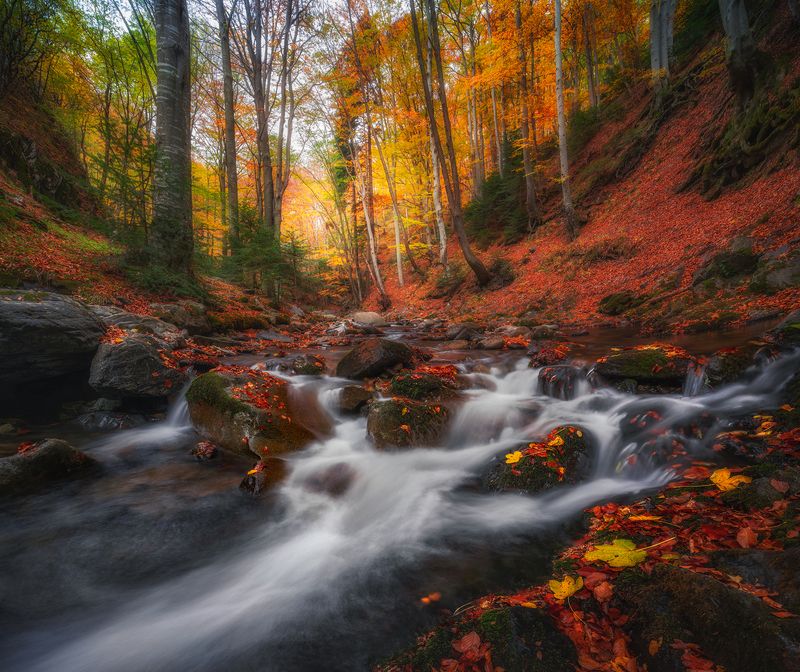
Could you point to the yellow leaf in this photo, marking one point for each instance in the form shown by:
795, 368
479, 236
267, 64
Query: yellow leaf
513, 458
529, 605
569, 585
404, 411
556, 441
645, 517
619, 553
724, 481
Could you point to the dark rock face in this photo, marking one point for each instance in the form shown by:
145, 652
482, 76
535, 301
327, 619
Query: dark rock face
309, 365
352, 398
140, 324
466, 331
262, 425
133, 369
372, 357
423, 387
268, 473
734, 628
49, 461
402, 423
189, 315
44, 335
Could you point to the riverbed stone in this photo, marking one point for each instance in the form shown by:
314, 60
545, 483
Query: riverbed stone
189, 315
651, 366
372, 357
560, 381
247, 412
369, 319
46, 462
562, 457
402, 423
732, 627
352, 398
134, 369
44, 335
423, 386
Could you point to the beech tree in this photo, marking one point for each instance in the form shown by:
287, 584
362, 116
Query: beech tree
566, 193
740, 49
662, 22
171, 236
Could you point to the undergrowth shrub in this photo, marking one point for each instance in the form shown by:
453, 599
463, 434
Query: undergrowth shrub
448, 281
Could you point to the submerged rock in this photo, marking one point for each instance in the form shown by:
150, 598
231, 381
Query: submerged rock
402, 423
43, 336
372, 357
246, 411
266, 474
46, 462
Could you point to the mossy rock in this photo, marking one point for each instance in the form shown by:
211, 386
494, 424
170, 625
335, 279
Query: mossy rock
520, 639
619, 303
566, 460
309, 365
729, 264
788, 331
655, 364
261, 424
733, 628
728, 365
421, 387
402, 423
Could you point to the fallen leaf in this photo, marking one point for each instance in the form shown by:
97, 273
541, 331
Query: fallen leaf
513, 458
780, 486
746, 537
724, 481
619, 553
568, 586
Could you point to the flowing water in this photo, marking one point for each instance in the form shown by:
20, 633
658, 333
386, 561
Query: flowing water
161, 564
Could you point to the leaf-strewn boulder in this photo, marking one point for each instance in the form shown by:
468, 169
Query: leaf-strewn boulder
44, 335
372, 357
48, 461
246, 411
402, 423
562, 457
655, 365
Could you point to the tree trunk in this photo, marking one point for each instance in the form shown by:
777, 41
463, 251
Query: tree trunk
171, 239
569, 208
740, 49
531, 206
662, 21
587, 43
436, 176
230, 128
449, 172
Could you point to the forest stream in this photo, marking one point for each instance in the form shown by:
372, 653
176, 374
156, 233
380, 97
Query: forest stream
162, 564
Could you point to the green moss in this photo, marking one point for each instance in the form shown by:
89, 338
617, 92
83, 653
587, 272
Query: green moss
404, 423
619, 302
212, 389
419, 386
429, 656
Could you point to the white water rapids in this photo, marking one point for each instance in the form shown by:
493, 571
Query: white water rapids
323, 556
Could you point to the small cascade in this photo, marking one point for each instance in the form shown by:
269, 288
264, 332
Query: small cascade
696, 379
563, 381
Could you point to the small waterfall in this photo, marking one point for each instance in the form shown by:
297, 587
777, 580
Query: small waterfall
695, 381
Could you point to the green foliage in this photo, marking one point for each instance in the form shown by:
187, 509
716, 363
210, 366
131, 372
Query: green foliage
502, 272
448, 281
696, 20
160, 280
498, 212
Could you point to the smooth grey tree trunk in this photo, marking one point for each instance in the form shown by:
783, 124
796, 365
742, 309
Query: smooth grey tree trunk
531, 206
662, 22
566, 193
171, 237
740, 49
450, 165
436, 176
231, 175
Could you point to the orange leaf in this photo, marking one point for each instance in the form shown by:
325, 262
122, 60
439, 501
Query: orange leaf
746, 537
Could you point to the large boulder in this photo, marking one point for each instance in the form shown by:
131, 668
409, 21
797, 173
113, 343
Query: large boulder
46, 462
139, 324
246, 411
655, 367
44, 335
735, 629
134, 368
352, 398
368, 319
402, 423
423, 386
372, 357
562, 457
189, 315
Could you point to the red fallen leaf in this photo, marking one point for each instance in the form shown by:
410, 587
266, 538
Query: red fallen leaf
450, 665
784, 614
26, 446
469, 642
603, 591
746, 537
780, 486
